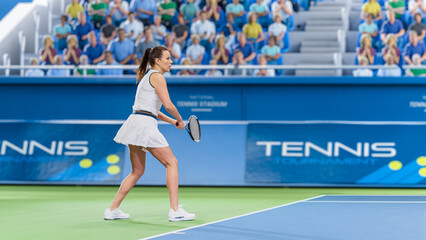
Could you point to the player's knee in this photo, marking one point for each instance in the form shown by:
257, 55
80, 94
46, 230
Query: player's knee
138, 172
172, 163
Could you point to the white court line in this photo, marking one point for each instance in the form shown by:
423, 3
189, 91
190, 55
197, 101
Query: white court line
395, 202
369, 195
226, 219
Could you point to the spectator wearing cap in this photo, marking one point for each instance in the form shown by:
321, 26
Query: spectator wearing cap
180, 32
108, 31
190, 11
58, 72
195, 51
48, 53
145, 10
418, 26
109, 61
34, 72
206, 30
94, 50
414, 47
118, 10
82, 30
133, 28
167, 10
122, 48
72, 53
149, 42
236, 9
245, 47
392, 26
371, 7
254, 31
278, 30
74, 9
62, 31
98, 10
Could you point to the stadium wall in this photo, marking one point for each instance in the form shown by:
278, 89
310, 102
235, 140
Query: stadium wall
323, 131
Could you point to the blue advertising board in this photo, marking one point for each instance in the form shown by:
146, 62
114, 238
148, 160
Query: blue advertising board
336, 153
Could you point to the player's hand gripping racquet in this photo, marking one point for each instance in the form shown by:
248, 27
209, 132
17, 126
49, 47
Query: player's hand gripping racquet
193, 128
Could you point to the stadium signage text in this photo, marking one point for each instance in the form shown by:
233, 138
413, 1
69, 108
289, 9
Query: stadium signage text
59, 148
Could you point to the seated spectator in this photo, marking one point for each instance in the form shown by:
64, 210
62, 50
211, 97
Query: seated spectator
261, 11
137, 62
82, 30
48, 53
236, 9
238, 60
74, 9
133, 28
254, 31
418, 26
416, 62
417, 6
180, 32
118, 10
246, 48
145, 10
229, 28
263, 72
283, 8
174, 48
414, 47
220, 53
166, 11
159, 31
366, 50
363, 72
195, 51
369, 26
206, 30
122, 48
107, 31
398, 6
190, 11
186, 72
392, 26
213, 72
149, 42
62, 31
278, 30
371, 7
72, 53
98, 10
391, 48
212, 10
109, 61
35, 72
84, 61
94, 51
271, 52
57, 72
392, 72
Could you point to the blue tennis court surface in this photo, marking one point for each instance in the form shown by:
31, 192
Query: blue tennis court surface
326, 217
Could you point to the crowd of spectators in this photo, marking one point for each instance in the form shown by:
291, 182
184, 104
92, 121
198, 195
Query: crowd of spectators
391, 33
117, 32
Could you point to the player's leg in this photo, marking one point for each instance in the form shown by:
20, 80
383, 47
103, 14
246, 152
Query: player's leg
137, 158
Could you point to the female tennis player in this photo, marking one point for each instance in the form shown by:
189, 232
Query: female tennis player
140, 133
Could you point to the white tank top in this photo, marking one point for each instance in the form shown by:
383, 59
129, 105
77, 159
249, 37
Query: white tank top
147, 98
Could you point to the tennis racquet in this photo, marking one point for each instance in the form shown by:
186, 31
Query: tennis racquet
193, 128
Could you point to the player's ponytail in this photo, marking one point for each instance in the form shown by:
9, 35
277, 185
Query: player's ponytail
144, 65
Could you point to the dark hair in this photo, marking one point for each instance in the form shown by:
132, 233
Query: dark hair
108, 16
131, 12
65, 17
149, 56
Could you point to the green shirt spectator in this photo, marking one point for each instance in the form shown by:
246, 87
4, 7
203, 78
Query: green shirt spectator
398, 6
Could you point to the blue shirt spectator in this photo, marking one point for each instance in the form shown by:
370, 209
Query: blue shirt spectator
122, 48
118, 9
109, 61
392, 26
61, 32
145, 5
94, 50
245, 47
82, 31
414, 47
58, 72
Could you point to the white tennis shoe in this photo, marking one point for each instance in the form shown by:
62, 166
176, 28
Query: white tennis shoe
115, 214
180, 215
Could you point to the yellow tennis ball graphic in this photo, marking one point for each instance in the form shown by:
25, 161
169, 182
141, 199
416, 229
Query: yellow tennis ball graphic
113, 159
113, 170
86, 163
395, 165
422, 172
421, 161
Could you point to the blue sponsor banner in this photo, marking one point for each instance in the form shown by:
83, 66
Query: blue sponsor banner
37, 151
365, 153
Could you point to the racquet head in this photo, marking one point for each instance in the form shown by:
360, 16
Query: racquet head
193, 128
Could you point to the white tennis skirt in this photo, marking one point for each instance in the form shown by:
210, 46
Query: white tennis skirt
141, 130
